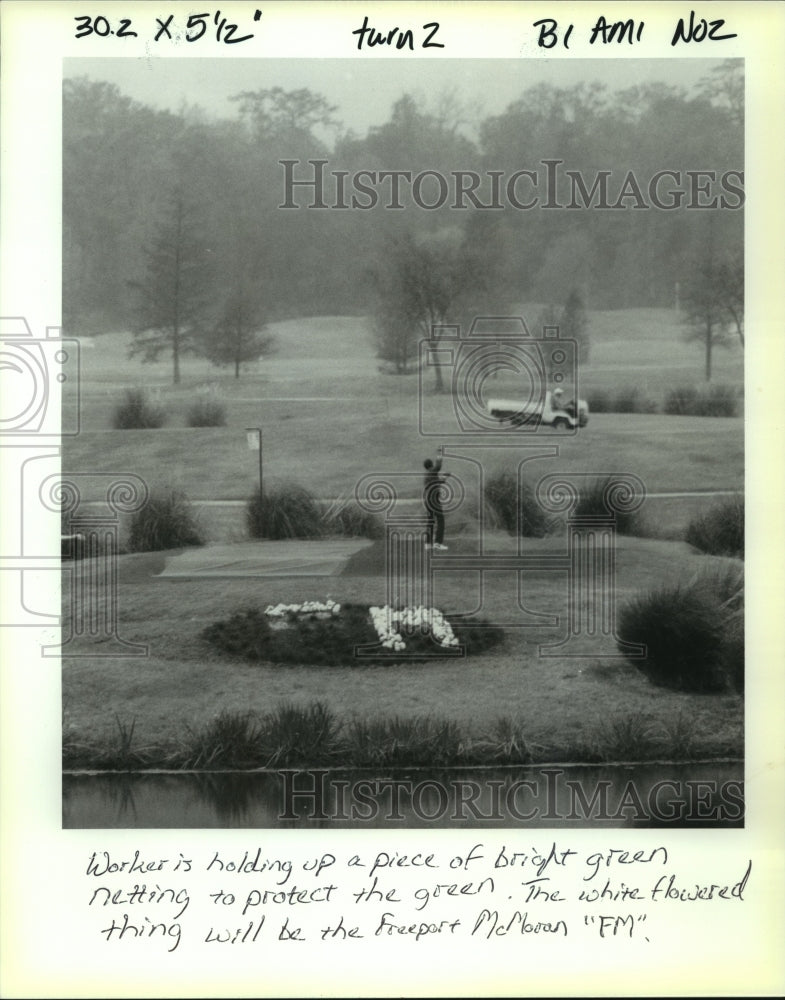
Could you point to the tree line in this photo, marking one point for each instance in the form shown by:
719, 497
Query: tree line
172, 225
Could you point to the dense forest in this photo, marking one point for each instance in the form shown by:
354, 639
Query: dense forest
148, 193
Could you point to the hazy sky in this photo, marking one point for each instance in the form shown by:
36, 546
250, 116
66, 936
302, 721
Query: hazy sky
365, 89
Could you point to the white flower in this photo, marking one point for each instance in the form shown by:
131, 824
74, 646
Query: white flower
303, 609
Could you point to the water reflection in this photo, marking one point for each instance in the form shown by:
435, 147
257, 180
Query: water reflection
682, 795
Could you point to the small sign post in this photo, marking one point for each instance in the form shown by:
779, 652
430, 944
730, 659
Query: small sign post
254, 437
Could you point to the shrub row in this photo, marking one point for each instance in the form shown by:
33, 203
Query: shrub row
627, 399
518, 511
310, 735
713, 401
137, 411
291, 511
167, 520
687, 401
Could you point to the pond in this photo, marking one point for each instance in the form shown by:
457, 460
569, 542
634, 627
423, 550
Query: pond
558, 795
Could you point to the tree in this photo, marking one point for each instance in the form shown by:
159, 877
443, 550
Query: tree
730, 282
724, 87
173, 294
238, 336
425, 139
395, 329
424, 279
115, 153
705, 317
572, 321
286, 115
574, 324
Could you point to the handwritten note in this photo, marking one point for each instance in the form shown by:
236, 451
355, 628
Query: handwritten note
512, 890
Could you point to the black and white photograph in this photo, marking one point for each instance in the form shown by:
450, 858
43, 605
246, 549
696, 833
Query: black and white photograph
429, 398
384, 479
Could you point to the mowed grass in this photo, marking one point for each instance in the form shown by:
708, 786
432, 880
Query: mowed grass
559, 703
646, 347
330, 417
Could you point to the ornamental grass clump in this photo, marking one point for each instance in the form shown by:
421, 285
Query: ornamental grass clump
720, 401
288, 511
599, 401
137, 412
720, 531
681, 401
166, 521
421, 741
689, 634
230, 740
631, 399
714, 401
514, 506
289, 735
346, 517
300, 735
206, 411
592, 502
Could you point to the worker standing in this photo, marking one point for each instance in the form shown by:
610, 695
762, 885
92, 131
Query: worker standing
433, 492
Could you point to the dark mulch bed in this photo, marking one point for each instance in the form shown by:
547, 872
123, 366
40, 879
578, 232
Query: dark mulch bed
344, 639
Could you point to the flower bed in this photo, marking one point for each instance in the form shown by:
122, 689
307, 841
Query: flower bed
328, 633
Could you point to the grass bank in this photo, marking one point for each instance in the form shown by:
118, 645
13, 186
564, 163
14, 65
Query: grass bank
556, 702
309, 735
